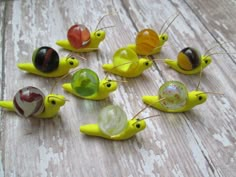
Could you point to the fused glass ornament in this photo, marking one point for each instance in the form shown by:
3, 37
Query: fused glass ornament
174, 95
85, 82
78, 36
112, 120
45, 59
29, 101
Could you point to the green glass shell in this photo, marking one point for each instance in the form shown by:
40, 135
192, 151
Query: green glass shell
85, 82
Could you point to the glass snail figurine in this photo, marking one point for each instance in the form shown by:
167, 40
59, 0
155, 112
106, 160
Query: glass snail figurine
127, 64
31, 102
113, 125
174, 97
149, 42
80, 39
189, 61
85, 84
46, 63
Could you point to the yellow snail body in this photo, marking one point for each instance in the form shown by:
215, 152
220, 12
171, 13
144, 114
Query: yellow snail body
174, 97
189, 61
85, 84
46, 63
96, 37
127, 64
80, 39
113, 125
31, 102
148, 42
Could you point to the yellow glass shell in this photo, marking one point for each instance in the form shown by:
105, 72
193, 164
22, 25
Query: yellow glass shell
127, 64
96, 37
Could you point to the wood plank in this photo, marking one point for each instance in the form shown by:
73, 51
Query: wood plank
196, 143
2, 17
203, 125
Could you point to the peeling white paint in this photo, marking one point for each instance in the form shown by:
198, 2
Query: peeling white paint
1, 165
16, 21
225, 27
222, 138
176, 171
47, 156
150, 159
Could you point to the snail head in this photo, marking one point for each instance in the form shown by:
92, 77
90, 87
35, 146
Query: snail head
163, 35
137, 125
98, 35
206, 60
163, 38
54, 101
145, 63
197, 97
71, 61
108, 84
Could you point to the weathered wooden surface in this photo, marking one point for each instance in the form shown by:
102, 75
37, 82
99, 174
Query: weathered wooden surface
201, 142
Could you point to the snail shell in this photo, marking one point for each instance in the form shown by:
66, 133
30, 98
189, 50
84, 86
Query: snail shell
112, 120
146, 41
29, 101
45, 59
188, 59
175, 94
85, 82
125, 59
78, 36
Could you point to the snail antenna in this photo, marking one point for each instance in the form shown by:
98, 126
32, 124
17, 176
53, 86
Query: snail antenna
200, 77
220, 53
162, 27
74, 55
113, 80
61, 78
217, 45
109, 14
150, 117
216, 93
123, 64
105, 27
147, 107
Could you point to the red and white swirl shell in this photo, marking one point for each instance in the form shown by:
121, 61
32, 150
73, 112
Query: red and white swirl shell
29, 101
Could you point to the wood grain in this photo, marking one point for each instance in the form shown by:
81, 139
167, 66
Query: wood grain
201, 142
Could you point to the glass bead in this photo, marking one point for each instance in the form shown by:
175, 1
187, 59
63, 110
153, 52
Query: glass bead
29, 101
78, 36
85, 82
45, 59
146, 41
175, 94
112, 120
188, 59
